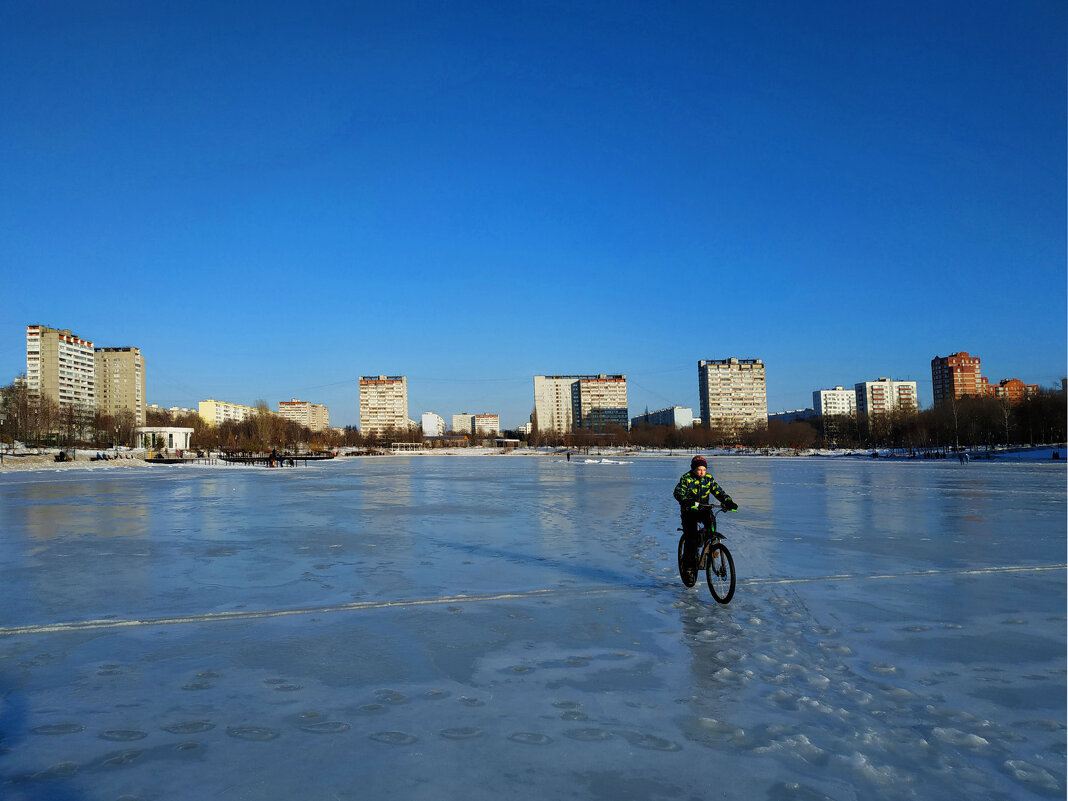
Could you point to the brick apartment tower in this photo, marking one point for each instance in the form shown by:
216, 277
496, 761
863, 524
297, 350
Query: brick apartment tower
956, 376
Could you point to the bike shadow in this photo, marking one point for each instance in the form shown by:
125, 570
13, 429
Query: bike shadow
595, 573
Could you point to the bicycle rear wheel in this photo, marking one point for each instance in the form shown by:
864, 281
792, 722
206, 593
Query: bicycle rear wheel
720, 573
682, 572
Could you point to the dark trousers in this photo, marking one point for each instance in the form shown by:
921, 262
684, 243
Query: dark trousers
691, 546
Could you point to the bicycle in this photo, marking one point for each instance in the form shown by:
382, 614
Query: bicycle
715, 559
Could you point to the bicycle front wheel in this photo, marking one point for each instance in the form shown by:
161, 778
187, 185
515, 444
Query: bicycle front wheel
720, 573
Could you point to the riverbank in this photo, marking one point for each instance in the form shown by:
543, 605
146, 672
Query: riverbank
13, 463
84, 460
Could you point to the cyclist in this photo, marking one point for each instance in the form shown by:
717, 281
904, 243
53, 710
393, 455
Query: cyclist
692, 490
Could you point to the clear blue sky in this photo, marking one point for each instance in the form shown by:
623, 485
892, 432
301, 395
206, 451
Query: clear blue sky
272, 199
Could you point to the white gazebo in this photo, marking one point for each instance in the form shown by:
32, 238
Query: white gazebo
171, 438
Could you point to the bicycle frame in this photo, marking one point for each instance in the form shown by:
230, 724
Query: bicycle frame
714, 557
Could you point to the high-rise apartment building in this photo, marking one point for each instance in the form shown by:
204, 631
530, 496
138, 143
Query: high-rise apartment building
486, 425
956, 376
217, 412
733, 393
602, 402
313, 416
553, 404
564, 403
875, 398
837, 402
120, 381
383, 403
60, 366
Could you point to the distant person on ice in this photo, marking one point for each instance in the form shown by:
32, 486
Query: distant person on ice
692, 490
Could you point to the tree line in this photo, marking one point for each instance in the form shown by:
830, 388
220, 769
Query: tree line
971, 422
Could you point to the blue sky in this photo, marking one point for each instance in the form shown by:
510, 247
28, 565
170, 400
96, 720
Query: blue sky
272, 199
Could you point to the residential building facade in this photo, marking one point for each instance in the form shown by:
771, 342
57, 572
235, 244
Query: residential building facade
486, 425
313, 416
433, 425
1013, 390
553, 405
676, 416
794, 415
61, 366
120, 382
957, 376
383, 403
172, 410
837, 402
733, 393
882, 396
217, 412
461, 423
602, 402
566, 403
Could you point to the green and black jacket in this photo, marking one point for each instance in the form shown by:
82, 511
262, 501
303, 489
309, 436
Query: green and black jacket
691, 490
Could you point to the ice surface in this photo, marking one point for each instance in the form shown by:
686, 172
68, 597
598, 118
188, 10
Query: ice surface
467, 627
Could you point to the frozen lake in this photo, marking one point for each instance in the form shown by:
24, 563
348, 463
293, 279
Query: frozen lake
514, 628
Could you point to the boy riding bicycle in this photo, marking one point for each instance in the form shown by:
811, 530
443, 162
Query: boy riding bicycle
694, 489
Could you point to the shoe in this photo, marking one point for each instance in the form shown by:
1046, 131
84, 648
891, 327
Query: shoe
689, 576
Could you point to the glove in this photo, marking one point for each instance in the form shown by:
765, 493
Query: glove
696, 506
729, 505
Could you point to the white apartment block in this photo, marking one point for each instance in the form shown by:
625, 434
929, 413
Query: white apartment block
120, 382
881, 396
383, 403
677, 416
461, 423
834, 402
433, 425
486, 425
217, 412
564, 403
172, 410
733, 393
60, 366
553, 406
602, 402
313, 416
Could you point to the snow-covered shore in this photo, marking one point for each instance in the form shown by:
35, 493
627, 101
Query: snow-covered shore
13, 463
45, 460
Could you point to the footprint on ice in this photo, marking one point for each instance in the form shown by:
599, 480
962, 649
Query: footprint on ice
192, 727
253, 733
461, 733
372, 709
648, 741
123, 735
588, 735
58, 728
530, 738
393, 737
326, 727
